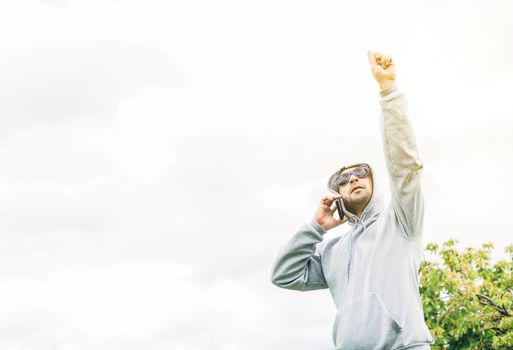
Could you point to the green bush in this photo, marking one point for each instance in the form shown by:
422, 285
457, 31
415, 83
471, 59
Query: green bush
468, 302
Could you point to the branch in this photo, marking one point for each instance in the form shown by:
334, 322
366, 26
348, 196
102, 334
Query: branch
491, 303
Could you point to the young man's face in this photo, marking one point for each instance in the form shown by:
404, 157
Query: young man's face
357, 192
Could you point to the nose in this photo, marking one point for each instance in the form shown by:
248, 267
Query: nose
352, 178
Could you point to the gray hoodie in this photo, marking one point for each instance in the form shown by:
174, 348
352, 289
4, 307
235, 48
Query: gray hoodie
371, 271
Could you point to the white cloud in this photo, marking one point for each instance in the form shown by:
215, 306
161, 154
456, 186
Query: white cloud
57, 66
126, 306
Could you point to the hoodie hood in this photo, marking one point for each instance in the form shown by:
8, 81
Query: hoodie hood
369, 215
376, 203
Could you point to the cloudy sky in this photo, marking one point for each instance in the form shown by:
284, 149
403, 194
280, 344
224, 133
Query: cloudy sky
157, 154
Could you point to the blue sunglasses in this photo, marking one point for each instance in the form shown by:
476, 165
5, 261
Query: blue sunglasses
360, 172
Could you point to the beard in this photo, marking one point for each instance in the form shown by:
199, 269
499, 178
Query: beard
356, 204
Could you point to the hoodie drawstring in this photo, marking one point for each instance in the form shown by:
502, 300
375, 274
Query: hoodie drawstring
350, 254
351, 245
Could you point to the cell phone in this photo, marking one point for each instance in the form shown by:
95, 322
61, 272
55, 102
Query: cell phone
339, 208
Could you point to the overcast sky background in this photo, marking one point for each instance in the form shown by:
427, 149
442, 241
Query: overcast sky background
157, 154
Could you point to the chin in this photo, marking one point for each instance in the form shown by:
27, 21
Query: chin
361, 198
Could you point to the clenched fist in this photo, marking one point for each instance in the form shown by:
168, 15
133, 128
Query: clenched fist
383, 69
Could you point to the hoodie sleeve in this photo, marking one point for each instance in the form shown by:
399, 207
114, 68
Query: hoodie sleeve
298, 264
403, 163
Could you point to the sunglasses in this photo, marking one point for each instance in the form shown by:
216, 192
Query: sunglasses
360, 172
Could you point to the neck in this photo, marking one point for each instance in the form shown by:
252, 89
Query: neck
359, 214
357, 210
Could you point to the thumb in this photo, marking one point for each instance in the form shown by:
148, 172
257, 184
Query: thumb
343, 220
339, 222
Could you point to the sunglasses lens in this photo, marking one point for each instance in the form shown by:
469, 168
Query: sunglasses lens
343, 179
361, 171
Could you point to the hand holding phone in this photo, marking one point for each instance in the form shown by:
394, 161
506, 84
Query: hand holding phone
324, 215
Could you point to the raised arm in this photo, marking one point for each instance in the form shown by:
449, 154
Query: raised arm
401, 155
298, 264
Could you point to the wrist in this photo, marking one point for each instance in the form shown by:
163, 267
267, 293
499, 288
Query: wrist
320, 225
385, 84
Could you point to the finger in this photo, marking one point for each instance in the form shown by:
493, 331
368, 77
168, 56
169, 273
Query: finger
328, 200
379, 57
336, 196
387, 62
384, 60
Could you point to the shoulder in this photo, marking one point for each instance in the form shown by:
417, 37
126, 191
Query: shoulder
331, 239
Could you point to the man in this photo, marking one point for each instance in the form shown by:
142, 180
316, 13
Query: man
372, 271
